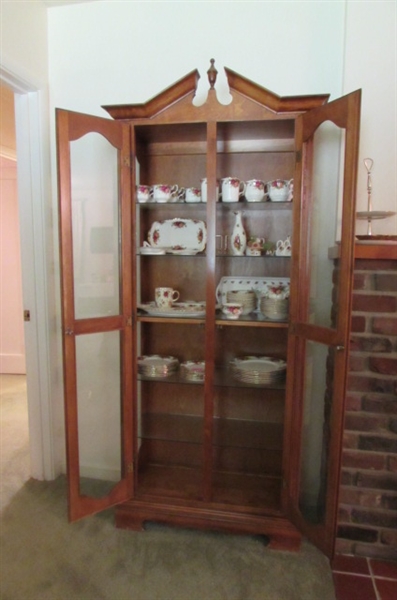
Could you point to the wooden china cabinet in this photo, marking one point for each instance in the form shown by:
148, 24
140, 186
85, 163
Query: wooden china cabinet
220, 453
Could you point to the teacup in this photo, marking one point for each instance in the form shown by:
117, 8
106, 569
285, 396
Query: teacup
204, 190
192, 194
165, 297
280, 190
255, 190
232, 189
232, 310
144, 193
163, 192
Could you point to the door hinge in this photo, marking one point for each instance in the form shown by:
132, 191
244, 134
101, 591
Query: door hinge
127, 161
129, 321
69, 332
26, 315
130, 467
298, 156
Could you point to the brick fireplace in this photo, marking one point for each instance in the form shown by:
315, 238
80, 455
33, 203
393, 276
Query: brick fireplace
367, 519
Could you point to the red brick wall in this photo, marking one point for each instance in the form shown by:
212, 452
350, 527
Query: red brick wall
367, 523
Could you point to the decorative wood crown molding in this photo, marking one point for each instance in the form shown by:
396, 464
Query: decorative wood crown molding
188, 86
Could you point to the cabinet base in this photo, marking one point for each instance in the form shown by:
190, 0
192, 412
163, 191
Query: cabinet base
281, 533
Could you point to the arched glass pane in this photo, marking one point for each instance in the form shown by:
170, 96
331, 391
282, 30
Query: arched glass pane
95, 223
325, 216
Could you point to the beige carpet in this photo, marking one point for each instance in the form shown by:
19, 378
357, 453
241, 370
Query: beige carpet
43, 557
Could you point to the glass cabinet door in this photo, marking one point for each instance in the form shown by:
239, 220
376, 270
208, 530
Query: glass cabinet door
324, 216
250, 349
95, 238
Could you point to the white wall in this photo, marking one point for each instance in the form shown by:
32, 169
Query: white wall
130, 51
371, 64
24, 40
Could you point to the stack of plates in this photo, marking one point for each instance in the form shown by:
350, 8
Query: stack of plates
193, 371
275, 309
259, 369
157, 366
247, 298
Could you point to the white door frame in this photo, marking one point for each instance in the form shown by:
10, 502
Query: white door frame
31, 119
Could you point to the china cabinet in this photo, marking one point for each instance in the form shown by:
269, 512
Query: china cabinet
184, 415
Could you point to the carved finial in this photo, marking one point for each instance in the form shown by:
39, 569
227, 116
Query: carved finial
212, 73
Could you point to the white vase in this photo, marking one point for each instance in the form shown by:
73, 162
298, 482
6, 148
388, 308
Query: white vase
239, 236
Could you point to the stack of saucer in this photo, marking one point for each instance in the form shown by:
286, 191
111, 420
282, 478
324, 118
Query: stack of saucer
247, 298
274, 309
193, 370
262, 370
157, 366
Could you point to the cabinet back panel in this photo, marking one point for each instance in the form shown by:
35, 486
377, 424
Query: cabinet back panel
249, 404
255, 165
234, 342
184, 341
183, 273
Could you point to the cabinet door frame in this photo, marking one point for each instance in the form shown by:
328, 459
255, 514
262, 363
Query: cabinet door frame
344, 113
71, 126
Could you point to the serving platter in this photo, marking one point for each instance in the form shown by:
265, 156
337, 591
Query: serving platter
178, 309
183, 235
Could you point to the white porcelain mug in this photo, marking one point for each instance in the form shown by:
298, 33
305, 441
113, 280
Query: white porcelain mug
255, 190
192, 194
280, 190
232, 189
165, 297
204, 190
144, 193
163, 192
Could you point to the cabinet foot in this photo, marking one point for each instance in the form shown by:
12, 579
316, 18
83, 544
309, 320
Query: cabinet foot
273, 533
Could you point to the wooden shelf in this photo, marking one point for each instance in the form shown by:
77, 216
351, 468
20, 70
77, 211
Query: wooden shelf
236, 489
223, 378
227, 432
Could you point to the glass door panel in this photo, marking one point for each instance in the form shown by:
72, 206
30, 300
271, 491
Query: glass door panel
98, 363
325, 218
170, 407
317, 397
248, 416
324, 214
95, 219
95, 239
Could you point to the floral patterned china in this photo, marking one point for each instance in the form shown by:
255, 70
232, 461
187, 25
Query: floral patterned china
185, 234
